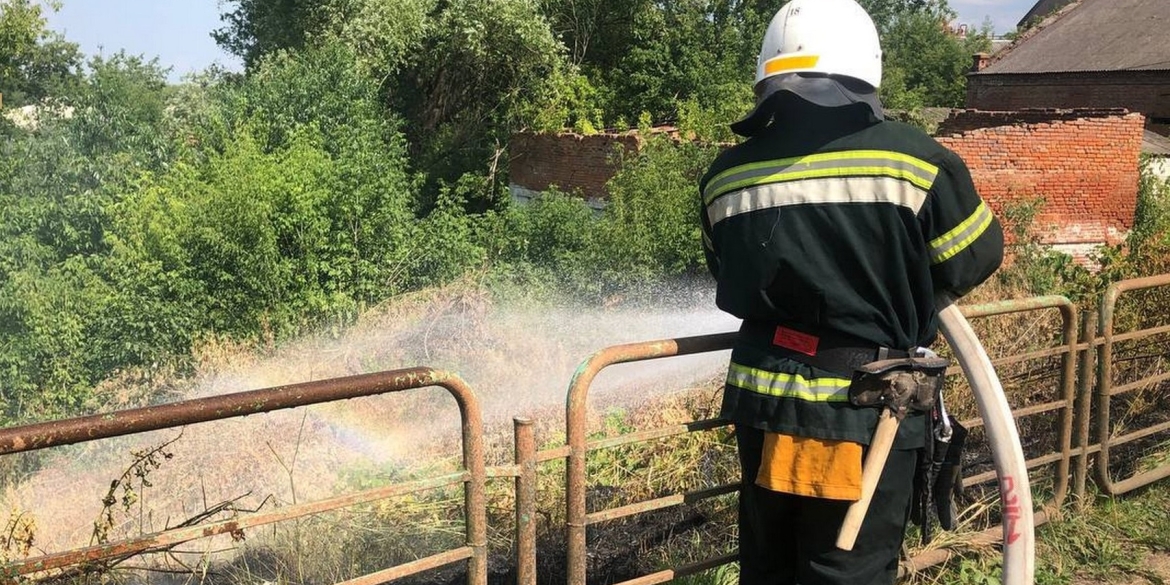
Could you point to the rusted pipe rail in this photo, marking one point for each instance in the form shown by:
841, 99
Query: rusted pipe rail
576, 409
1066, 404
90, 428
1106, 390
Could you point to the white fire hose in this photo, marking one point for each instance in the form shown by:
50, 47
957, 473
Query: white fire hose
1015, 495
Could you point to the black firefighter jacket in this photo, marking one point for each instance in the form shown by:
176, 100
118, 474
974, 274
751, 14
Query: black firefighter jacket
833, 222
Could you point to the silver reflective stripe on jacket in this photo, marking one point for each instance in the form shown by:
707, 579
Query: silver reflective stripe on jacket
811, 191
855, 176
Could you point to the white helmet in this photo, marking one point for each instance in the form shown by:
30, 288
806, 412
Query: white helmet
835, 37
835, 41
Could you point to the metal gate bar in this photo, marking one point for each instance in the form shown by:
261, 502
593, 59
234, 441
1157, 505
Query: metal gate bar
1066, 404
576, 409
91, 428
1106, 389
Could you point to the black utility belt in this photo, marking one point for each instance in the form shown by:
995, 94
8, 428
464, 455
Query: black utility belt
825, 350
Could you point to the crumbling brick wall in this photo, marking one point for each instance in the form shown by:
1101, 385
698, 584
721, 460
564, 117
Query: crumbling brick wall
1082, 163
569, 162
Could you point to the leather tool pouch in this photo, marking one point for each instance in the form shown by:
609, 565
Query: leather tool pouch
901, 384
938, 481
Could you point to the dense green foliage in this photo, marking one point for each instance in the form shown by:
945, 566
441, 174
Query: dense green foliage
465, 75
35, 62
925, 64
362, 154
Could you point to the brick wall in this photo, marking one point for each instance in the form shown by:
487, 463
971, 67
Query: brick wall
1084, 164
570, 162
960, 121
1147, 92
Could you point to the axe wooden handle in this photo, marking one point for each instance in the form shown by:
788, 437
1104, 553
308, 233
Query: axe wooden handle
875, 462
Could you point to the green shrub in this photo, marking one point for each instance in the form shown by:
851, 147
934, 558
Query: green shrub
1151, 224
652, 220
648, 231
255, 210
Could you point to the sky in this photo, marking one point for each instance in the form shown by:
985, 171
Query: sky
178, 32
1003, 13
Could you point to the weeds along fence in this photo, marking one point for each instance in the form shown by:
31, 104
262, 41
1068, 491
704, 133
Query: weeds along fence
1065, 371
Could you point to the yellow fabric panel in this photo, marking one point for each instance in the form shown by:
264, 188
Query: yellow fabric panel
811, 467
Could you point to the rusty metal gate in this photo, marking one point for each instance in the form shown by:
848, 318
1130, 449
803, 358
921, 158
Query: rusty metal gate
1108, 387
578, 519
91, 428
1064, 404
1072, 404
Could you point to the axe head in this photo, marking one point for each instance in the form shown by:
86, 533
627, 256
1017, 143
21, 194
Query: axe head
900, 385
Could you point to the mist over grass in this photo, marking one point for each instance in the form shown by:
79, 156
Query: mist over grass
517, 356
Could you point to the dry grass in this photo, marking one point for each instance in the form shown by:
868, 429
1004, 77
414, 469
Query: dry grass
517, 358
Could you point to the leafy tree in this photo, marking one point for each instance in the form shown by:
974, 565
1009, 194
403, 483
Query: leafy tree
120, 109
147, 217
486, 63
925, 64
387, 36
652, 218
34, 61
294, 205
656, 57
84, 151
885, 13
649, 57
255, 28
463, 75
58, 190
596, 32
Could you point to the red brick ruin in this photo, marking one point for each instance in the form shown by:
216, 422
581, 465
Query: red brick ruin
1082, 163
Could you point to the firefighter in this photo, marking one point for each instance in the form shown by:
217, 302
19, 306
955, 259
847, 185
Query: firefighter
829, 231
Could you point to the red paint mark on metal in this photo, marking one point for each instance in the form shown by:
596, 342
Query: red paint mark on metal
1011, 508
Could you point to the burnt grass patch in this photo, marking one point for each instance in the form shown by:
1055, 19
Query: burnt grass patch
617, 550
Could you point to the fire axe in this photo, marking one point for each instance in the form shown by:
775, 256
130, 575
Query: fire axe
896, 386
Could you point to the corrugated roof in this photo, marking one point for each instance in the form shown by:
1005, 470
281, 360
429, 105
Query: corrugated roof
1042, 9
1155, 144
1094, 35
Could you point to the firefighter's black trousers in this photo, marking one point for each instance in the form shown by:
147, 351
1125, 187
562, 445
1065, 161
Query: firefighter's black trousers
788, 540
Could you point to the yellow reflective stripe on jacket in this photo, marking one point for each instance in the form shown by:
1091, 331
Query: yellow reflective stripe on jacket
842, 190
823, 165
947, 245
788, 385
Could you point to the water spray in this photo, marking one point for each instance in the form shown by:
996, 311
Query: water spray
1015, 494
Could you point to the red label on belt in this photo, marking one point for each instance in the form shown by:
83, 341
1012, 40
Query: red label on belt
796, 341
